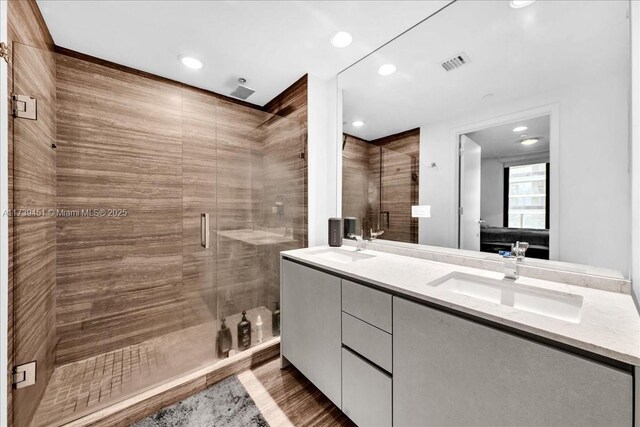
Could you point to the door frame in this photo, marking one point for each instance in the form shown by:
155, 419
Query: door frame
553, 111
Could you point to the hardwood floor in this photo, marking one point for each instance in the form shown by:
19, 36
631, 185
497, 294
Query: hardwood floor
286, 398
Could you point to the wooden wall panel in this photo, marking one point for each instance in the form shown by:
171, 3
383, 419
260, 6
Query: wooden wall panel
119, 147
25, 26
163, 151
407, 142
34, 243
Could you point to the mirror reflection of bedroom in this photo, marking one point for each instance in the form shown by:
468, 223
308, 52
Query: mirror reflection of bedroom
504, 186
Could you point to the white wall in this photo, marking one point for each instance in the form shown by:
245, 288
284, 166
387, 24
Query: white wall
635, 150
492, 195
594, 186
323, 161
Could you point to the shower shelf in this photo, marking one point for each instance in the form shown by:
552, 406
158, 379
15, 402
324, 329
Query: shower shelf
257, 237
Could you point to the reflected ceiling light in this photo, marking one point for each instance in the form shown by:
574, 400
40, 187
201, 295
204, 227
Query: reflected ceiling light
190, 62
341, 39
517, 4
387, 69
358, 123
520, 128
529, 141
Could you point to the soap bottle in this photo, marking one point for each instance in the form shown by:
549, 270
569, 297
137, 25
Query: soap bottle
244, 332
223, 340
275, 320
259, 329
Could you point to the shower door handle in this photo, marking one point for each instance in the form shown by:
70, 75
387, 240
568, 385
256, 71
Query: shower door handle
204, 230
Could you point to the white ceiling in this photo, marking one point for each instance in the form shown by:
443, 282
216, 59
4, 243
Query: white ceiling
501, 142
515, 54
270, 43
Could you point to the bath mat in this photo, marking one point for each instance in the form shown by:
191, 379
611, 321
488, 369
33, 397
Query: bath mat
226, 404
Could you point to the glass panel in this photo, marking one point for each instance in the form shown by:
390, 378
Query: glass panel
398, 192
528, 196
260, 213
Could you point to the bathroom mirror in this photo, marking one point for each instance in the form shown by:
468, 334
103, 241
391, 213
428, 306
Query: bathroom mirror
512, 125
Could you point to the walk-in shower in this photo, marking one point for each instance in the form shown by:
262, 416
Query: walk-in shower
194, 197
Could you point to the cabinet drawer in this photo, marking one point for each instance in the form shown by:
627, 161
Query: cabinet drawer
366, 392
368, 304
369, 341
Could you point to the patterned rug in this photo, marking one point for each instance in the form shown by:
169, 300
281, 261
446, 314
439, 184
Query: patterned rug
226, 404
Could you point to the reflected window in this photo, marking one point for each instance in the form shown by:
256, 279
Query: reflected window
526, 196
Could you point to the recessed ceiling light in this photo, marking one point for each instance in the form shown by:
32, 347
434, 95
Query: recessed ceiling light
190, 62
520, 128
341, 39
358, 123
529, 141
387, 69
517, 4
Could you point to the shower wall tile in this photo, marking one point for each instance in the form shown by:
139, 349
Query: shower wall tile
119, 279
166, 153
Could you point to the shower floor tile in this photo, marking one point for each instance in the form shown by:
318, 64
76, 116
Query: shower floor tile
82, 387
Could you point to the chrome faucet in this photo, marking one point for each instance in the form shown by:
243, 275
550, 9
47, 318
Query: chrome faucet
375, 234
514, 259
359, 239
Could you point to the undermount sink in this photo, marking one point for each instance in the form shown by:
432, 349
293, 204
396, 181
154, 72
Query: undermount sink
558, 305
339, 255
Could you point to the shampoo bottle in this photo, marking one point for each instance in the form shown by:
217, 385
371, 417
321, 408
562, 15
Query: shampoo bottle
259, 329
223, 340
244, 332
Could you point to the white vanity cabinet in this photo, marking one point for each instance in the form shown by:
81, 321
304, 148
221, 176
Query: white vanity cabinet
450, 371
311, 326
386, 360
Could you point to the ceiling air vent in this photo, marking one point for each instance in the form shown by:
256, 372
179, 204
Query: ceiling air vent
456, 61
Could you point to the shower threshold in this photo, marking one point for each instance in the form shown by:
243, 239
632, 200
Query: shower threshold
86, 387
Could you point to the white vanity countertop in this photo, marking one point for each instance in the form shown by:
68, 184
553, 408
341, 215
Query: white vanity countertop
609, 324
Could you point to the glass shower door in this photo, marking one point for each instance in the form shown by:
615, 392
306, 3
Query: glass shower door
398, 192
260, 210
